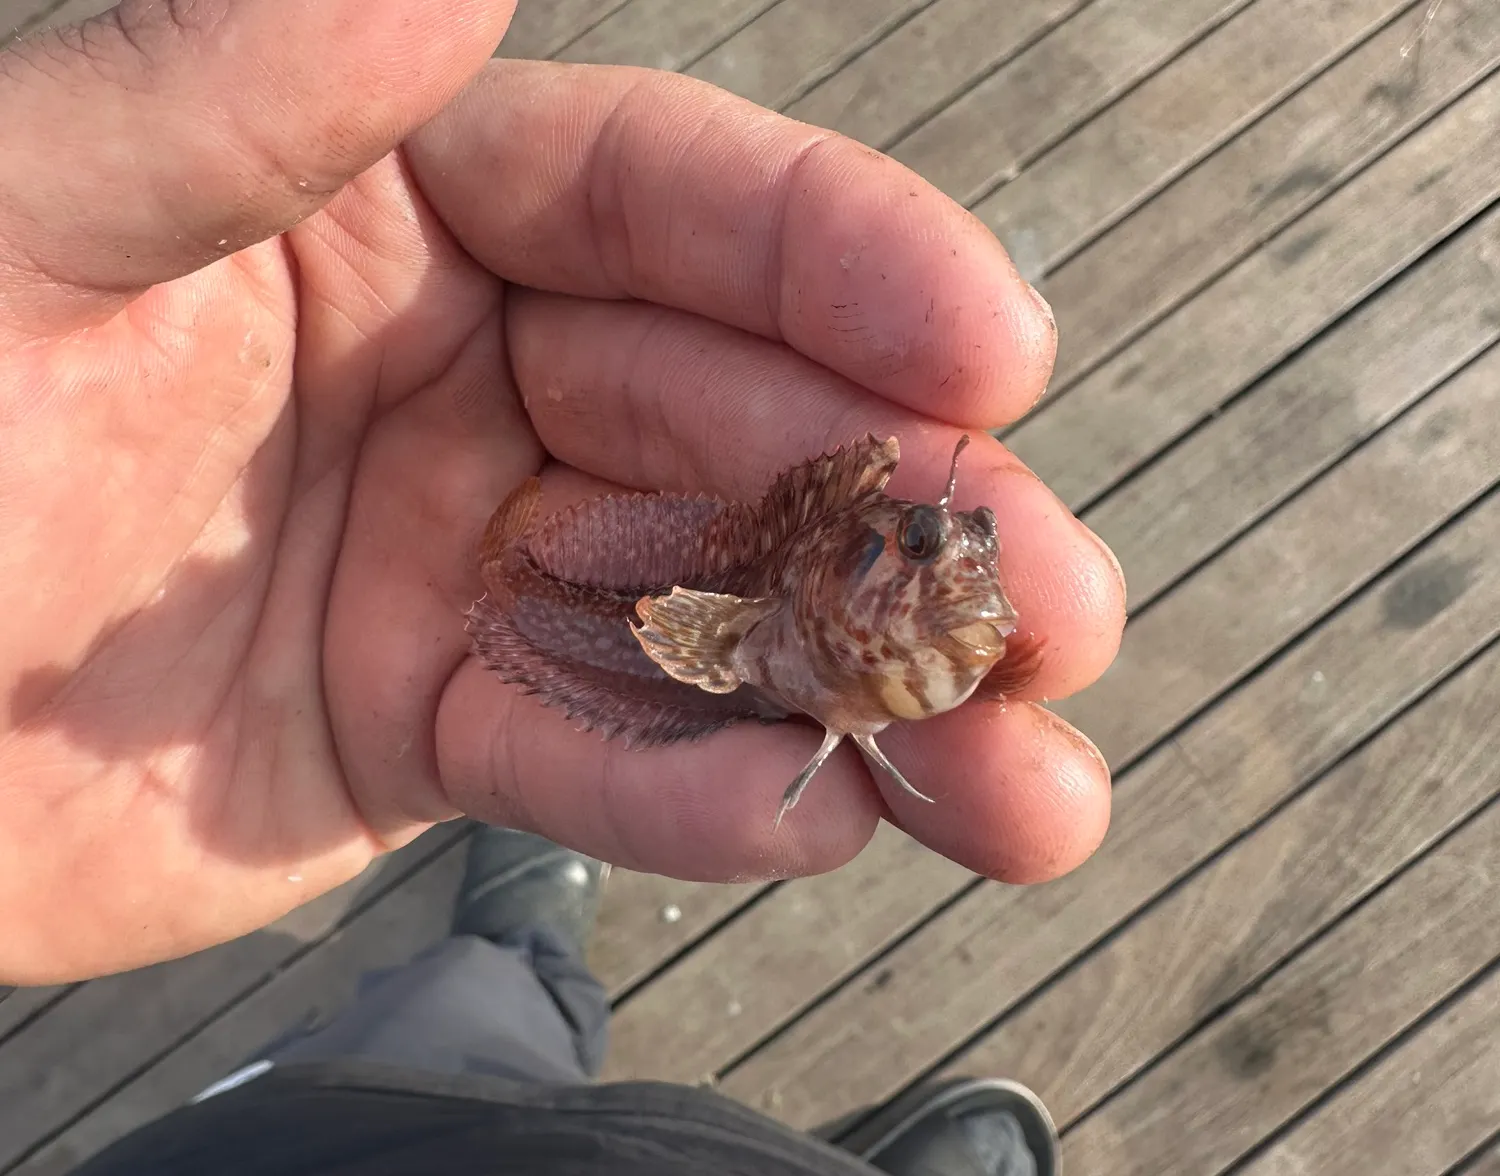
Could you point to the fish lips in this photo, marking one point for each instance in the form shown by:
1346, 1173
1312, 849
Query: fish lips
981, 628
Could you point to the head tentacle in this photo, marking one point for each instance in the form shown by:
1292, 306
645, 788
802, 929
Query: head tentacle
947, 497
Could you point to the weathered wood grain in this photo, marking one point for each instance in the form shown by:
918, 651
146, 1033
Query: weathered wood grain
793, 45
1222, 209
1313, 1022
1308, 414
1216, 937
1256, 595
20, 17
59, 1065
662, 34
645, 919
1267, 447
540, 28
1241, 326
907, 77
750, 978
990, 133
25, 1003
1228, 768
1278, 578
1179, 116
1414, 1112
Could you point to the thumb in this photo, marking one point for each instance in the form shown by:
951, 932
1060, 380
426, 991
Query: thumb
158, 137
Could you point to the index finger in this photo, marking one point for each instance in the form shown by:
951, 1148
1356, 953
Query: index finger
615, 182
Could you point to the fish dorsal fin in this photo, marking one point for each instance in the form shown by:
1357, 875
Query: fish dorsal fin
692, 635
650, 542
819, 487
627, 542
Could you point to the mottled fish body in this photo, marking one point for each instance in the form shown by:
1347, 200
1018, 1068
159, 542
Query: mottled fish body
659, 617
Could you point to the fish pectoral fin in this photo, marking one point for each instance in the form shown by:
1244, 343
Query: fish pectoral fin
510, 520
692, 635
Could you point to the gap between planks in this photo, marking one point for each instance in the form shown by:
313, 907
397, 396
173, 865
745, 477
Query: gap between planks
1454, 41
1184, 959
1113, 710
1416, 1106
1287, 724
673, 1016
1279, 175
1204, 356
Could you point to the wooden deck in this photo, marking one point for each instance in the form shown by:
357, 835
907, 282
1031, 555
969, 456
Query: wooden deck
1273, 246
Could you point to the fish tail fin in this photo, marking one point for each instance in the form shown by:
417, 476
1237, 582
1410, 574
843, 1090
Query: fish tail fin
693, 635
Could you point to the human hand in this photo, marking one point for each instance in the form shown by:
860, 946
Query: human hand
264, 375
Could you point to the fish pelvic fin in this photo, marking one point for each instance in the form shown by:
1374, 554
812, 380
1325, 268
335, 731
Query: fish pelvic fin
822, 486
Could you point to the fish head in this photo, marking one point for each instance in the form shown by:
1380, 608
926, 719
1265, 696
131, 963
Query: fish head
911, 602
919, 574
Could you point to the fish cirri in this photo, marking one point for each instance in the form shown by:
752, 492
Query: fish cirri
655, 618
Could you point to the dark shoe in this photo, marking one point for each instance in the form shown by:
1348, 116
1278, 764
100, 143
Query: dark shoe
968, 1127
516, 882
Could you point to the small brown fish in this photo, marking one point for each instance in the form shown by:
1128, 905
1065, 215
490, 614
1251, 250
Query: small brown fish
662, 617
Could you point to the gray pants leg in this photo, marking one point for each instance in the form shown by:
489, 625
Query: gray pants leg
524, 1009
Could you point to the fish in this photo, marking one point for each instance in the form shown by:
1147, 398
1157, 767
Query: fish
661, 617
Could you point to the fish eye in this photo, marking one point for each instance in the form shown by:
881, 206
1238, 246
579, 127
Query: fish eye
921, 536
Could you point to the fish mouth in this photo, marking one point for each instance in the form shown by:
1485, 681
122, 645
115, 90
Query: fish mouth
984, 638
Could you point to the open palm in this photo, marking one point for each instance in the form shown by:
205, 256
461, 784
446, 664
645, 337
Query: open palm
274, 341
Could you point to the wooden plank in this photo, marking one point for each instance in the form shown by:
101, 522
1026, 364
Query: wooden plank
19, 18
1254, 597
1174, 811
1274, 301
1308, 1026
663, 34
645, 919
1222, 209
24, 1004
796, 43
1179, 115
907, 77
995, 129
1314, 551
48, 1077
388, 933
1308, 414
540, 28
1410, 1114
746, 981
1485, 1163
1219, 935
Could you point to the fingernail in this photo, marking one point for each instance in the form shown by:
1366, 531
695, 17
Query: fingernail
1044, 306
1113, 561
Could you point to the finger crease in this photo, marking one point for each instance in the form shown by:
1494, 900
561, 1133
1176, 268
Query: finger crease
776, 266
